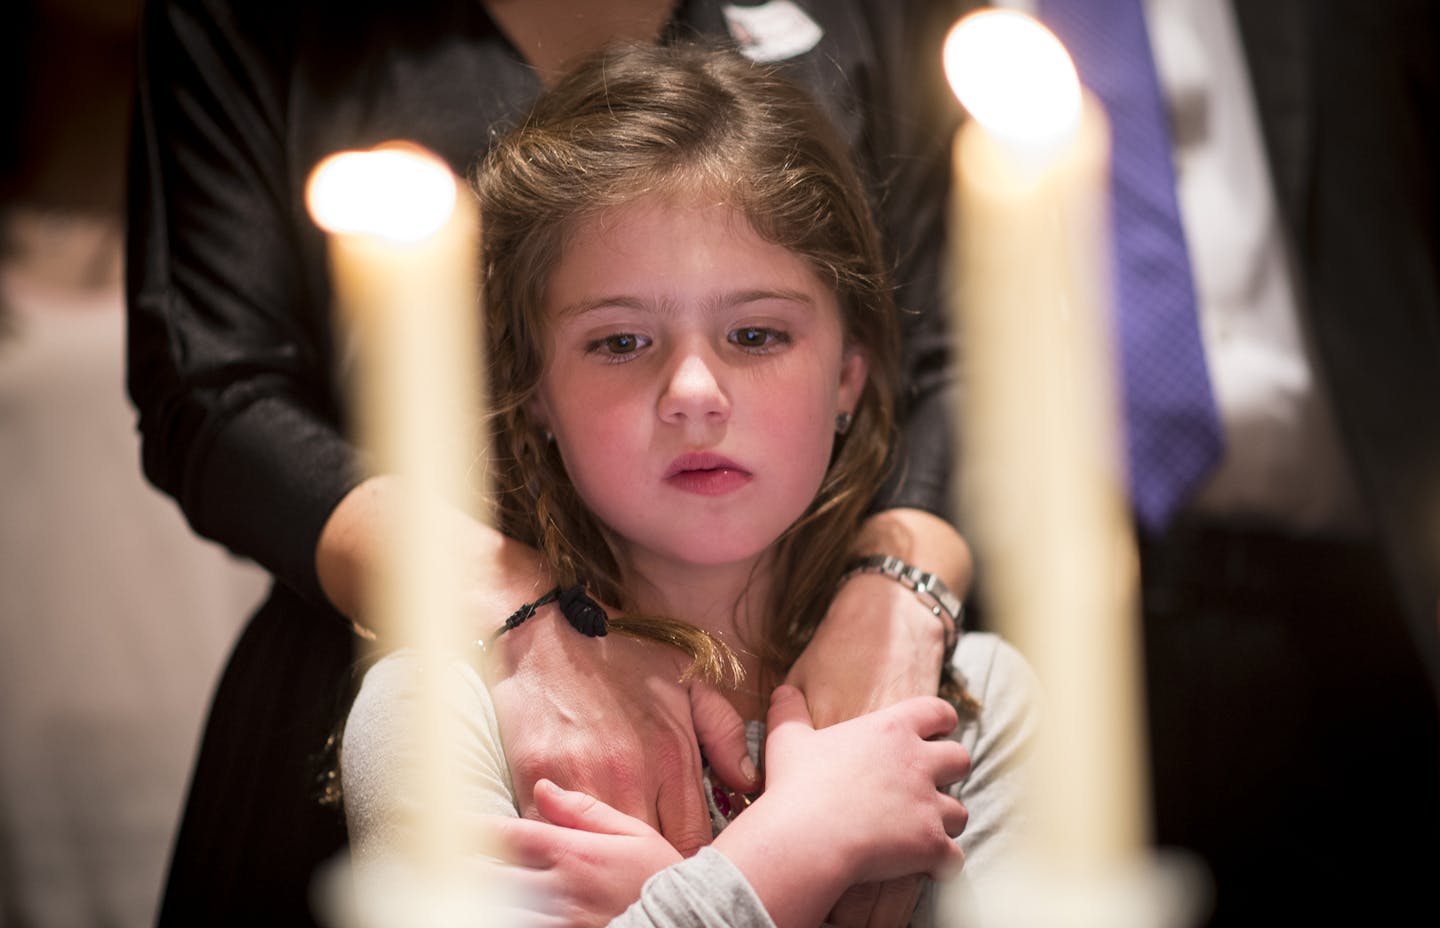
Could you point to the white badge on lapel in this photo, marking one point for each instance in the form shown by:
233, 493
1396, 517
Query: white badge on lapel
772, 31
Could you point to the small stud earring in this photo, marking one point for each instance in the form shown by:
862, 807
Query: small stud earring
842, 422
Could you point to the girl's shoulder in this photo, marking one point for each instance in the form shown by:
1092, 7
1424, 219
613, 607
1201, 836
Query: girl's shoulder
380, 744
391, 687
1001, 680
992, 668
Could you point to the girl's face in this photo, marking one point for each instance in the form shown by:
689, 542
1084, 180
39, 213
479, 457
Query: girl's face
692, 378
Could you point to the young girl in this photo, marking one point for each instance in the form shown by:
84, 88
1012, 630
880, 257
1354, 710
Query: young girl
693, 359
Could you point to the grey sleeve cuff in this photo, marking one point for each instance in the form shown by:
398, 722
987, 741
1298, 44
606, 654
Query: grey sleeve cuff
706, 891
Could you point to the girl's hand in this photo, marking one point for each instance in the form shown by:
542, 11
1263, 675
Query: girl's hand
586, 862
852, 803
883, 774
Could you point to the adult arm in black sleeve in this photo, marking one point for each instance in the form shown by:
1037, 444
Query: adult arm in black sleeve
913, 119
229, 347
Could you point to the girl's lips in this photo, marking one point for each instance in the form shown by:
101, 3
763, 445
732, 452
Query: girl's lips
701, 460
706, 474
709, 482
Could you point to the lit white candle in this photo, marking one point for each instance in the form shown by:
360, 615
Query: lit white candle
1042, 475
403, 251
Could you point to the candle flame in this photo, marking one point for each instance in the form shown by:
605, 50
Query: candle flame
1014, 77
401, 194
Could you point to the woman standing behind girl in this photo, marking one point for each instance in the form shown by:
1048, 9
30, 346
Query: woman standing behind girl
693, 358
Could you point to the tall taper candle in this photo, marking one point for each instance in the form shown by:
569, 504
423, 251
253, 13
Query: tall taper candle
1042, 479
403, 250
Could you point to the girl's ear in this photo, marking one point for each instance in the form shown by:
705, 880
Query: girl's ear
538, 412
854, 369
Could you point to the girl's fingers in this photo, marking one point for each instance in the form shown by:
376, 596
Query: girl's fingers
529, 898
527, 843
931, 716
954, 815
950, 762
951, 864
570, 809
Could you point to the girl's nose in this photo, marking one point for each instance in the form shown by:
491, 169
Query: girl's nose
692, 392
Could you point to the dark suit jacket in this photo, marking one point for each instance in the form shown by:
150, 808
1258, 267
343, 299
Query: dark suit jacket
1349, 100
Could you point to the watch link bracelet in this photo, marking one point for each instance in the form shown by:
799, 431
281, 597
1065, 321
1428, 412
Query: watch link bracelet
930, 589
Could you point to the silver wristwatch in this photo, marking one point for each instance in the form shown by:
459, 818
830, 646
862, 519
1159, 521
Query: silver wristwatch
930, 589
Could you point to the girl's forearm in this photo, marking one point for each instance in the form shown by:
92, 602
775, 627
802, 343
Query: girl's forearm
796, 889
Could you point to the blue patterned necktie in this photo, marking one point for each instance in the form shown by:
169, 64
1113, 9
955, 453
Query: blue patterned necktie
1172, 426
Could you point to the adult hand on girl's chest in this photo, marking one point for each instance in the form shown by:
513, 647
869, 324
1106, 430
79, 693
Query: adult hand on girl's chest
607, 717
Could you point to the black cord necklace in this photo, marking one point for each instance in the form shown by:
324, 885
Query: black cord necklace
584, 614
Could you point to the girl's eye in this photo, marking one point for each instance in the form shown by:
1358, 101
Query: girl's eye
617, 346
758, 338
